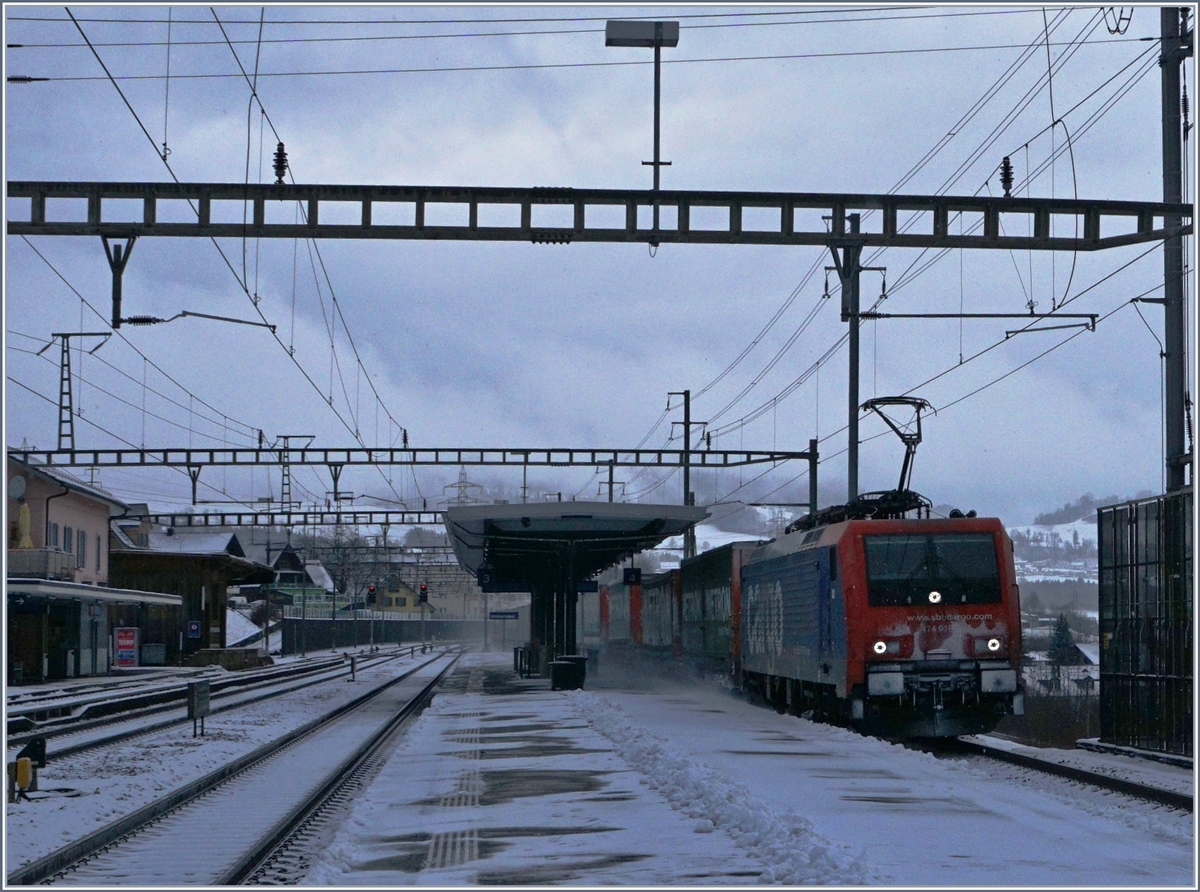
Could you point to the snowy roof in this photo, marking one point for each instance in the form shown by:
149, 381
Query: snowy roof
181, 541
118, 530
710, 537
259, 553
319, 575
1091, 650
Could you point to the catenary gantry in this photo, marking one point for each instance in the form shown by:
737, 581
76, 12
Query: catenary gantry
335, 460
561, 215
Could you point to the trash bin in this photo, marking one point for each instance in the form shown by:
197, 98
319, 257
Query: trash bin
568, 672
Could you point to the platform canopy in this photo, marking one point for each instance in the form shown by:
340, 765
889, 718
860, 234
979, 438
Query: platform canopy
504, 545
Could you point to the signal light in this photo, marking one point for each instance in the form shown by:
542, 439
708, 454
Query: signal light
370, 594
424, 599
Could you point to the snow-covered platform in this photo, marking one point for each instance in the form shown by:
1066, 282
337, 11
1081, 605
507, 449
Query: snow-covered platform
654, 776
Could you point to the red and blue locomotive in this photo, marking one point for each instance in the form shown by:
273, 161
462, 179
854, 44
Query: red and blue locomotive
859, 614
902, 627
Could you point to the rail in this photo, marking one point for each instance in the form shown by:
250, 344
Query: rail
1107, 782
326, 671
62, 859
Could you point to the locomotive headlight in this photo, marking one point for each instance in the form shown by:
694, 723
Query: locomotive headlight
935, 597
993, 644
886, 646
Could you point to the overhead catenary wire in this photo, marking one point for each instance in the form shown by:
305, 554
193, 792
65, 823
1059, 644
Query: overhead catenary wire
544, 66
891, 10
1123, 305
977, 107
771, 405
314, 247
250, 429
117, 437
243, 284
353, 413
841, 341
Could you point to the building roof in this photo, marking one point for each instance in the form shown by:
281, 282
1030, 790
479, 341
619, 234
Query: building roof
183, 541
1091, 650
62, 478
319, 575
272, 557
118, 530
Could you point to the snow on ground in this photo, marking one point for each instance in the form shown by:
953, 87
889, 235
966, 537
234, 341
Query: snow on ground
644, 779
529, 788
791, 850
919, 819
640, 781
80, 794
1085, 529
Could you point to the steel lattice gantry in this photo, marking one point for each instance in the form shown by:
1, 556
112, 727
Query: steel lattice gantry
560, 215
841, 222
337, 459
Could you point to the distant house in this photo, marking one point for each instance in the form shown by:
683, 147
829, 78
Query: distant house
397, 597
62, 604
1078, 675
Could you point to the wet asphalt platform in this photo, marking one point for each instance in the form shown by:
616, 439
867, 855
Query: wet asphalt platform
502, 781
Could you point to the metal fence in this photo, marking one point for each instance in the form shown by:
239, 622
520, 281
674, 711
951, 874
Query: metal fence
1146, 573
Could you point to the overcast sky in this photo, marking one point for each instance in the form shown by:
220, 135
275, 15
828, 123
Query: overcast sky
514, 345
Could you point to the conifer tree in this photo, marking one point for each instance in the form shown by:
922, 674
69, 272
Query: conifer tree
1062, 645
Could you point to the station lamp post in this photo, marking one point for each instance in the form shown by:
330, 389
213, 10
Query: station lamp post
646, 34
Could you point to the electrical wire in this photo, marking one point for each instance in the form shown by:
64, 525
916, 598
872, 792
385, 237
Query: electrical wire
546, 66
121, 439
249, 428
976, 108
550, 19
224, 257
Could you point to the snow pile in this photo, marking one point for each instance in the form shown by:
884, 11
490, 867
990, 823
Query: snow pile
791, 851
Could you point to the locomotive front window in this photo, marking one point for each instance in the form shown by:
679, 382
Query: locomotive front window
935, 570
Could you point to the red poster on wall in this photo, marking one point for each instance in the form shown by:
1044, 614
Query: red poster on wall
127, 646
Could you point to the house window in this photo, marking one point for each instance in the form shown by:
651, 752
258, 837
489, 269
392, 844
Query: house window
68, 539
402, 602
81, 558
53, 536
97, 553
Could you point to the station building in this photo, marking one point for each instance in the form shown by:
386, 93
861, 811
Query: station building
196, 567
63, 618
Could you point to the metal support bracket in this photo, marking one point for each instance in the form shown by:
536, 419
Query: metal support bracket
118, 256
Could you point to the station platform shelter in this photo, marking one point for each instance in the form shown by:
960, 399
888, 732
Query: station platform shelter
59, 629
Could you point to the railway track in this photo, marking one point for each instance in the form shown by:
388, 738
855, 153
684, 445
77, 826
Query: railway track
1116, 784
216, 830
92, 734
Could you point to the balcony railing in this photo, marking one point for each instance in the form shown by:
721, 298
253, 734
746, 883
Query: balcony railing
40, 563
